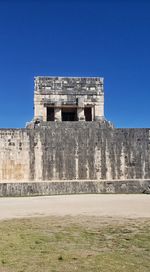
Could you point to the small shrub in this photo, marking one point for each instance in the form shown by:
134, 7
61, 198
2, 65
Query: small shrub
60, 258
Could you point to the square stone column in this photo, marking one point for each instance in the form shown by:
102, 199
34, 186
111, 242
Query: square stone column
80, 110
99, 108
45, 114
57, 114
80, 114
93, 113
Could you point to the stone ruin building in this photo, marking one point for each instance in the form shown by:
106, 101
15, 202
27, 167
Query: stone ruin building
69, 146
68, 99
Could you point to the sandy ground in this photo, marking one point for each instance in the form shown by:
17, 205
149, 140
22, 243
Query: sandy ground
128, 206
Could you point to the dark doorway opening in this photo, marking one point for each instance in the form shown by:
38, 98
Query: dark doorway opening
50, 114
88, 113
69, 114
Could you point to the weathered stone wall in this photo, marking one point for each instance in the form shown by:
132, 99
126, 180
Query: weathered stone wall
75, 187
14, 155
74, 151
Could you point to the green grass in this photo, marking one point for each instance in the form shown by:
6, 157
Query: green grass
74, 244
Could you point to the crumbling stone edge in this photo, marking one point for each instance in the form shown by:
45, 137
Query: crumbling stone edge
74, 187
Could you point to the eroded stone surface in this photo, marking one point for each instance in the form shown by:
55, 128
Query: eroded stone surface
74, 151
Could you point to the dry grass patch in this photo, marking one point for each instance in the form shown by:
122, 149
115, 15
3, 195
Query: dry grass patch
74, 244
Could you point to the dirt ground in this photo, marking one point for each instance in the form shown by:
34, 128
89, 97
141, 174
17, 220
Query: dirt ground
127, 206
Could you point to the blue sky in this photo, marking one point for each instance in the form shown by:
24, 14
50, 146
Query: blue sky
107, 38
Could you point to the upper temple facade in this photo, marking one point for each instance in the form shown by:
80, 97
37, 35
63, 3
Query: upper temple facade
68, 99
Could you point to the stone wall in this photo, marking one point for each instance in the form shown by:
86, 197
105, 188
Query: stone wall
74, 151
14, 155
74, 187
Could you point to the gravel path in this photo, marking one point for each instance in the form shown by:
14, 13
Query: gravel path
128, 206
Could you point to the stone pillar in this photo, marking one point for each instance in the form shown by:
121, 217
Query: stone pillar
80, 113
93, 113
45, 114
38, 112
80, 110
99, 108
97, 113
57, 112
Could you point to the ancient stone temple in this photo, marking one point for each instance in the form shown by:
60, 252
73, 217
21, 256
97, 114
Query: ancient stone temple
68, 99
69, 146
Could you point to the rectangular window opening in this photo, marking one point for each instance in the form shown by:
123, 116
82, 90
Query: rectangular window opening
50, 114
69, 114
88, 113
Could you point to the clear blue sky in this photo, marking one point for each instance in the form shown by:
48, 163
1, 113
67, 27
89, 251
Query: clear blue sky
107, 38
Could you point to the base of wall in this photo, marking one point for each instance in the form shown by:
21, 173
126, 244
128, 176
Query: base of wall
74, 187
